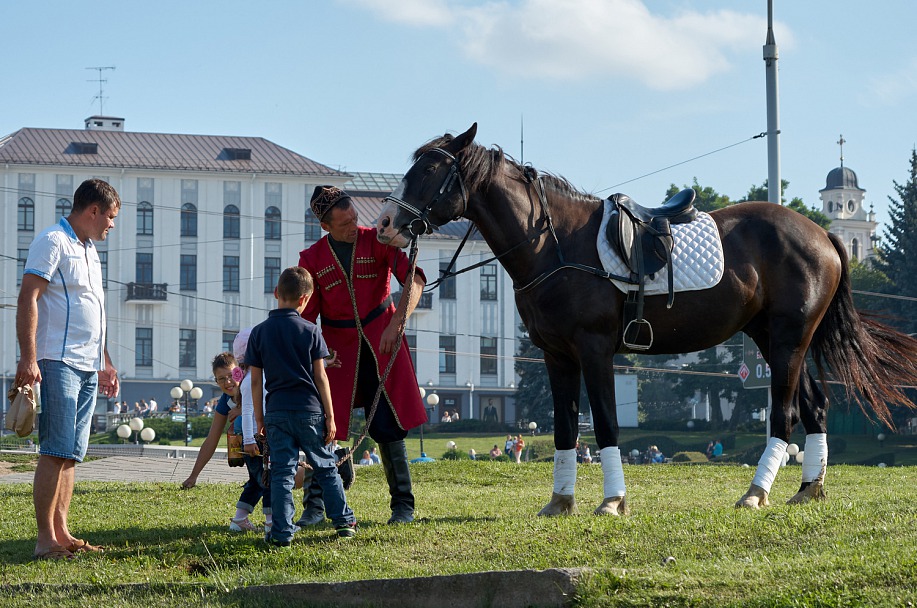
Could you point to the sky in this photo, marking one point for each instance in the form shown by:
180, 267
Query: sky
614, 95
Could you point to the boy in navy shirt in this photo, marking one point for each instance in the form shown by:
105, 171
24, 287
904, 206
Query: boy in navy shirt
298, 414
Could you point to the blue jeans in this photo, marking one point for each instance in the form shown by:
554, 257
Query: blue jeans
288, 432
252, 491
68, 400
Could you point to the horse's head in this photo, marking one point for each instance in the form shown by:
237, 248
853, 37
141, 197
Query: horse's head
431, 193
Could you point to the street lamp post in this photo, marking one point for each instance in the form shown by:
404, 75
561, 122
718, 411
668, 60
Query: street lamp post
470, 386
136, 425
187, 390
432, 401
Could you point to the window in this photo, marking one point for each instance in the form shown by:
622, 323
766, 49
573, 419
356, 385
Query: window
26, 214
855, 249
230, 273
62, 209
272, 224
144, 219
188, 220
411, 341
143, 347
271, 274
187, 348
312, 226
447, 287
188, 273
447, 354
237, 153
103, 258
144, 268
22, 257
488, 356
489, 282
228, 338
230, 222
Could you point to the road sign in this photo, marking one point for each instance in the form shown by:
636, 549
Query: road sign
178, 417
754, 371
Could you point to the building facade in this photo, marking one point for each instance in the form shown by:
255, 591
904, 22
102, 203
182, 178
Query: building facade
207, 224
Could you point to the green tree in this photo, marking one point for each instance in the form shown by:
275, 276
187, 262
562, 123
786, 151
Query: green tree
865, 278
533, 394
707, 199
897, 255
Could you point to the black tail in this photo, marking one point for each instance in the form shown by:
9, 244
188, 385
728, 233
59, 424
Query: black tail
873, 361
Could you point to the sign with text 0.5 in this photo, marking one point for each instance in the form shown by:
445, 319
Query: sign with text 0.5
754, 371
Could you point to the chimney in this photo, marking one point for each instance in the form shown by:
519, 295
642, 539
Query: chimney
104, 123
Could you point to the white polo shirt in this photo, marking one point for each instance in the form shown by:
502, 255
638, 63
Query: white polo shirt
71, 313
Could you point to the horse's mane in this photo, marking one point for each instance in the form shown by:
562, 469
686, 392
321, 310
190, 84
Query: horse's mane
481, 166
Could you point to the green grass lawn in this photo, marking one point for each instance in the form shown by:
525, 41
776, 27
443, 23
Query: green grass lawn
173, 548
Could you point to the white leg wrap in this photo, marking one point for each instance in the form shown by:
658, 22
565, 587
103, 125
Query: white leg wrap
613, 472
769, 464
564, 471
815, 459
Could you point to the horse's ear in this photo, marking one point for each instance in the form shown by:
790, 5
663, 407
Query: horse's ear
464, 140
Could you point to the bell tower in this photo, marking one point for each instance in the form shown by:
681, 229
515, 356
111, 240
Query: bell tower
843, 202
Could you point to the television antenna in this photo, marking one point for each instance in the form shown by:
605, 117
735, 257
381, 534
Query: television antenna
101, 81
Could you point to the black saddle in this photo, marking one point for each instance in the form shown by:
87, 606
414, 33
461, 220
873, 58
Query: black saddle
643, 238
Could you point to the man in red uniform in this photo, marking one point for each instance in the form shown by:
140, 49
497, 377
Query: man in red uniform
352, 271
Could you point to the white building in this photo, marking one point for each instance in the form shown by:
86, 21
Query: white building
206, 225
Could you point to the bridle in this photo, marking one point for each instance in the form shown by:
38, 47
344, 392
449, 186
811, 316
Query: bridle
421, 223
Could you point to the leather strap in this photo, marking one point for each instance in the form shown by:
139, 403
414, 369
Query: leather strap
352, 324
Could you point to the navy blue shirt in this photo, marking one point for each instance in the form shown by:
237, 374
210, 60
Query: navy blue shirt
223, 405
285, 345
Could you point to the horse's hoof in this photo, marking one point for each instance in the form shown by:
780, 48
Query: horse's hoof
612, 506
561, 504
814, 491
755, 498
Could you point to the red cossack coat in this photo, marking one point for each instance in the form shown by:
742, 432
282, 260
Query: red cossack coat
372, 265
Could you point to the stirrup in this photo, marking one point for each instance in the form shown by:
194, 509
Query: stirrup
639, 323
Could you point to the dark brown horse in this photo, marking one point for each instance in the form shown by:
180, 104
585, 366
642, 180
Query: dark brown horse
785, 284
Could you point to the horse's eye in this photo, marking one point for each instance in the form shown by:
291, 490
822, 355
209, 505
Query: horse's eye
429, 169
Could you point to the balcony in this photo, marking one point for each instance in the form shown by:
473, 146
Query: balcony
425, 303
147, 292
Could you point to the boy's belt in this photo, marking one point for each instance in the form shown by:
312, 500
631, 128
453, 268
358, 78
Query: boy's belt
351, 324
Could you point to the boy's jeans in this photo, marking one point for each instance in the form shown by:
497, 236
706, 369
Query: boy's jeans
288, 432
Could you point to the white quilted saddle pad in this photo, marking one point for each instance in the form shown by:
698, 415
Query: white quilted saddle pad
697, 258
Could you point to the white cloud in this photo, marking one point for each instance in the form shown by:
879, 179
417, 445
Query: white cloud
891, 88
577, 40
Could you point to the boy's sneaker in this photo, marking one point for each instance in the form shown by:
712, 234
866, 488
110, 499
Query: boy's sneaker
241, 525
346, 530
274, 543
267, 528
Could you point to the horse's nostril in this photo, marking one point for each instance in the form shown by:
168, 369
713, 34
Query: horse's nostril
385, 222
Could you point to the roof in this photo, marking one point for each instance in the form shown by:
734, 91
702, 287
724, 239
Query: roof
373, 182
162, 151
841, 178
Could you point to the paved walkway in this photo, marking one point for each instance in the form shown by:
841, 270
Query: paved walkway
147, 468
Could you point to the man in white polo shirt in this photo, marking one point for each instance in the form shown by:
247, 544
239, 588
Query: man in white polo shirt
60, 322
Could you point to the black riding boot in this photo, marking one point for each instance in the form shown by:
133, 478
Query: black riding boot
313, 507
398, 474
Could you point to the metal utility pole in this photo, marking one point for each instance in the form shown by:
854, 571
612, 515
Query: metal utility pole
774, 185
